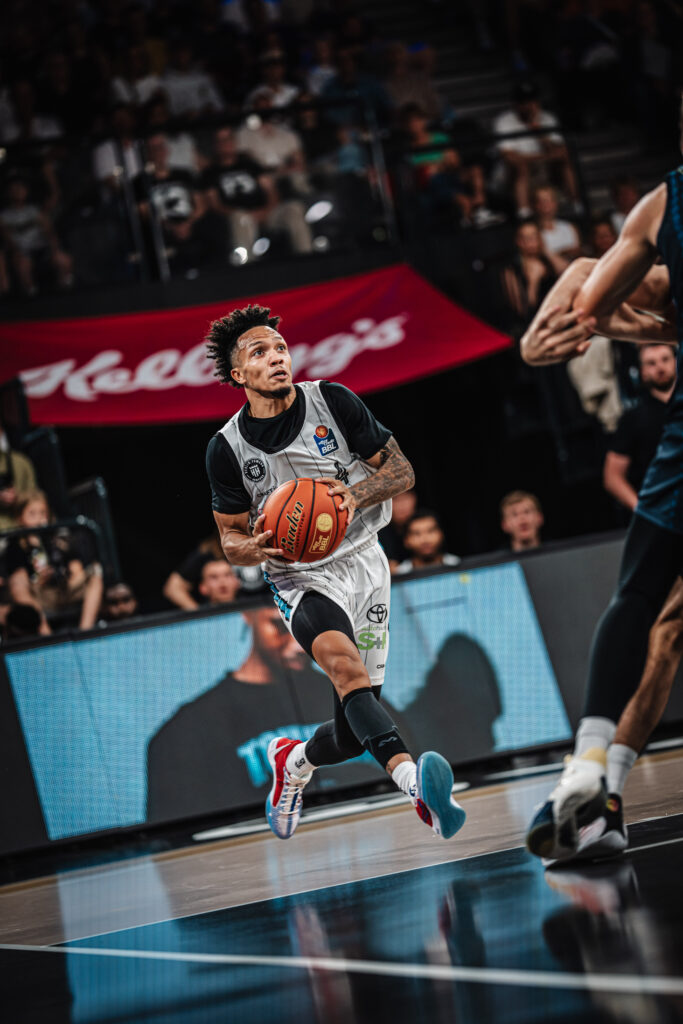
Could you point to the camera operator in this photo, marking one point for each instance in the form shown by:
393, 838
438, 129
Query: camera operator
48, 572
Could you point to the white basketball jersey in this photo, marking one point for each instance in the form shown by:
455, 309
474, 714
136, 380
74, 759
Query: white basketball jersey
320, 449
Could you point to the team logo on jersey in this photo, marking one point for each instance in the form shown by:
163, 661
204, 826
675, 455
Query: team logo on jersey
254, 470
378, 613
342, 474
325, 440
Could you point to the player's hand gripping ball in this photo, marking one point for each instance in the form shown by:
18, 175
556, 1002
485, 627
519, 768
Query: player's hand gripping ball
306, 520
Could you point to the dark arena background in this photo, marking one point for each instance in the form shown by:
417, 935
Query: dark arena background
403, 182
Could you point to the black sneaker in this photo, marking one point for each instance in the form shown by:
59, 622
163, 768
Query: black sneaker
604, 836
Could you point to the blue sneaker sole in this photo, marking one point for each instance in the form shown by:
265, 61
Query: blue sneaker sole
434, 786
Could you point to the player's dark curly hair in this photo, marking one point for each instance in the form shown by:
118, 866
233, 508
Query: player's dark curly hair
225, 332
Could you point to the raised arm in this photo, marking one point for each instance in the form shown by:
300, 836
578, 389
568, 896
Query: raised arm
240, 545
393, 475
623, 267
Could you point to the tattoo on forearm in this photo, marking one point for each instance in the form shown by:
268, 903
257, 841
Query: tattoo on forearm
395, 474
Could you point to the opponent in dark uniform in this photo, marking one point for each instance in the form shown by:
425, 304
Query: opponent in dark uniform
572, 817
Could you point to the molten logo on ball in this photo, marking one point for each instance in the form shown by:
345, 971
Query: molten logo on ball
324, 522
294, 519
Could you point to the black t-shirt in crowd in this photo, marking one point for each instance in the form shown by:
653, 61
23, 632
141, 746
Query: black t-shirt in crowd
173, 196
637, 436
34, 556
237, 185
362, 432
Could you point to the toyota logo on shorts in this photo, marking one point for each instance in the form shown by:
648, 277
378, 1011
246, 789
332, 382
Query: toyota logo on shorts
378, 613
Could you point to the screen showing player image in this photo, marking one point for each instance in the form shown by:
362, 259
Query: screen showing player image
173, 720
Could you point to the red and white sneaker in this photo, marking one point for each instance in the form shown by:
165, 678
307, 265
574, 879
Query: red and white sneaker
285, 800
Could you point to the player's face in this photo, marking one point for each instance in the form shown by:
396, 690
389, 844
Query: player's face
273, 641
658, 367
522, 521
263, 363
424, 538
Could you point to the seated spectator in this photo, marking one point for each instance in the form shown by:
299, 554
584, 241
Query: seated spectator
391, 536
182, 586
119, 602
323, 68
47, 571
414, 125
238, 188
191, 233
274, 146
560, 237
65, 97
424, 540
22, 123
360, 90
23, 621
273, 72
137, 85
529, 276
182, 149
17, 476
31, 240
191, 92
218, 583
632, 447
521, 517
532, 156
123, 145
408, 82
625, 195
603, 236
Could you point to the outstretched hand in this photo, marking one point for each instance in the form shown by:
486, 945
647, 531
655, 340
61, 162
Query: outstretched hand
558, 335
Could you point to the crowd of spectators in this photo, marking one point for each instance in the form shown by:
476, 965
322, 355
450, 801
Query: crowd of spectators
175, 136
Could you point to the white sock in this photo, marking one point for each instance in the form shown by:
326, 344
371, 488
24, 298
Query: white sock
405, 777
593, 734
297, 764
620, 760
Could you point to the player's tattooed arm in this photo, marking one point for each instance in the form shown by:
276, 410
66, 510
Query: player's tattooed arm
394, 474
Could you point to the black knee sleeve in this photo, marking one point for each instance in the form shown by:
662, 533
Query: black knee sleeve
372, 726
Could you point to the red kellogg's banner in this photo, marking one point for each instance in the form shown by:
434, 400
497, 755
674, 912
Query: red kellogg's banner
368, 332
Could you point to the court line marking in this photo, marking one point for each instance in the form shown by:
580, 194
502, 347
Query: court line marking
628, 983
653, 846
322, 888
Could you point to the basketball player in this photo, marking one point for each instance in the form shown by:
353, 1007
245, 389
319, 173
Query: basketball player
318, 429
653, 553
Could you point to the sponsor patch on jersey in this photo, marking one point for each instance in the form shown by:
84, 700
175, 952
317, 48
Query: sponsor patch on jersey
325, 440
254, 469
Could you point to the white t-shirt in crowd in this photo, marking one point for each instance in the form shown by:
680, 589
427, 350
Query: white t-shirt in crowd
282, 96
560, 237
138, 92
271, 146
189, 91
105, 159
529, 145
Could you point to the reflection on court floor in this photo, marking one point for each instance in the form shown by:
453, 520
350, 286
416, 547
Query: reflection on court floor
490, 938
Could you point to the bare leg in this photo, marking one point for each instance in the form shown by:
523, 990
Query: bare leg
646, 706
338, 657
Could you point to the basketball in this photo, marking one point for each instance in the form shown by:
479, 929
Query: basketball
306, 521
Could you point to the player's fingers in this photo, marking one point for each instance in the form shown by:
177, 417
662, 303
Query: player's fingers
273, 552
264, 537
258, 526
571, 336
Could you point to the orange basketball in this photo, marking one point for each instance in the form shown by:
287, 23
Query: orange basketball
306, 521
